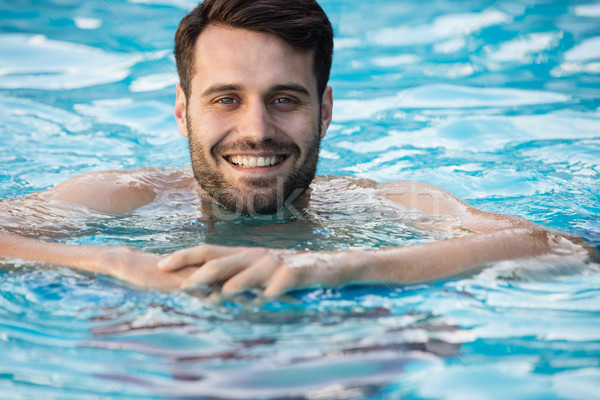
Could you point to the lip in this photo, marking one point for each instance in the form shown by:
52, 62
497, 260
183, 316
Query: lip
256, 162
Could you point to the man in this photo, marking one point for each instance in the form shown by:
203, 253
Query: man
254, 103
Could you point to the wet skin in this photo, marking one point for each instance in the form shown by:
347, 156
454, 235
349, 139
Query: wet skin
254, 121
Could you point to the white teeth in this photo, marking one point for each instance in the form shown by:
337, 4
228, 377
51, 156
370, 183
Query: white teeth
253, 162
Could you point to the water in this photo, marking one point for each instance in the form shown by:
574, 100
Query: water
497, 102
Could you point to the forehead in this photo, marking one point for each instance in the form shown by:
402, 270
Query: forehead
250, 59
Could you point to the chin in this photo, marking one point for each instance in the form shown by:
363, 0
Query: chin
262, 201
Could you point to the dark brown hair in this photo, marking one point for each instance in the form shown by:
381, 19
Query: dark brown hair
300, 23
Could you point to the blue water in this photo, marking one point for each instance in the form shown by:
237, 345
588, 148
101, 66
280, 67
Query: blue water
497, 102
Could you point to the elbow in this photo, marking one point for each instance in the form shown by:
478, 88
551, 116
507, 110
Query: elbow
552, 243
575, 245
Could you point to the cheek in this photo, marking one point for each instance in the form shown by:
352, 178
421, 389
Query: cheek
302, 129
215, 122
207, 130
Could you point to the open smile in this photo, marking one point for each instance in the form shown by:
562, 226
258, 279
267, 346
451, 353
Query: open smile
252, 161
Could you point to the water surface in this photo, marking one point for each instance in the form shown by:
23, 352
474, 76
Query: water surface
497, 102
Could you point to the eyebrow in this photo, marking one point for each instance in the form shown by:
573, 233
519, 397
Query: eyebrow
292, 87
220, 89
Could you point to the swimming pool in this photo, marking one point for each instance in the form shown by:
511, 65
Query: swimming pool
497, 102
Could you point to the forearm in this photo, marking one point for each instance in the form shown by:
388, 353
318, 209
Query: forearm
83, 257
278, 270
125, 263
451, 257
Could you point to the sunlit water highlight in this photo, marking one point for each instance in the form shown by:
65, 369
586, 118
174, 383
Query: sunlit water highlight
497, 102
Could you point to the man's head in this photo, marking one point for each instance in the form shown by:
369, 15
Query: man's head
253, 98
300, 23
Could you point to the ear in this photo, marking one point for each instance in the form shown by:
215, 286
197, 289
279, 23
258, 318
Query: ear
326, 110
180, 111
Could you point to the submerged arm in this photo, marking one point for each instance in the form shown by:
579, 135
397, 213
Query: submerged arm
46, 215
494, 237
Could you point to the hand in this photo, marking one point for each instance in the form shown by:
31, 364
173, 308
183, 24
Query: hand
139, 268
240, 268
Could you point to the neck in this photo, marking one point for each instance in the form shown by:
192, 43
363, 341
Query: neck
292, 208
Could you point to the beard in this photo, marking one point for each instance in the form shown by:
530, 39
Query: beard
253, 196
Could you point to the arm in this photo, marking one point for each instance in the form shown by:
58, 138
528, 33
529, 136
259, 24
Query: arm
127, 264
110, 192
44, 214
494, 237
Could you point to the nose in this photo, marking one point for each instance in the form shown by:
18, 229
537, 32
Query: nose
256, 123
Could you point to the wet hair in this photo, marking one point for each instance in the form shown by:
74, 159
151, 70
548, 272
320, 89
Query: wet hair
300, 23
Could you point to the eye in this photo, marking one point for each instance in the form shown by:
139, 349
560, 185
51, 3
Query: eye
226, 100
285, 103
282, 100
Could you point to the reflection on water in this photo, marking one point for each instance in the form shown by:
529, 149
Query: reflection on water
221, 350
496, 102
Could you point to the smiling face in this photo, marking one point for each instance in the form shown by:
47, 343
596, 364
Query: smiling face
253, 118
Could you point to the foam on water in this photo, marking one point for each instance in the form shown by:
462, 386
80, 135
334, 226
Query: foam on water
37, 62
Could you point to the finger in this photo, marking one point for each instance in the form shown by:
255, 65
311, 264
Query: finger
258, 274
217, 270
285, 279
193, 256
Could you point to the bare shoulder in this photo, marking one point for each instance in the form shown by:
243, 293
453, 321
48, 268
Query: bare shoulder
118, 192
427, 198
423, 196
343, 182
435, 200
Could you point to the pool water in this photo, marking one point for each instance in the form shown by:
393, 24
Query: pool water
497, 102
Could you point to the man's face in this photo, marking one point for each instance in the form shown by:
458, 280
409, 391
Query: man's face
254, 119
